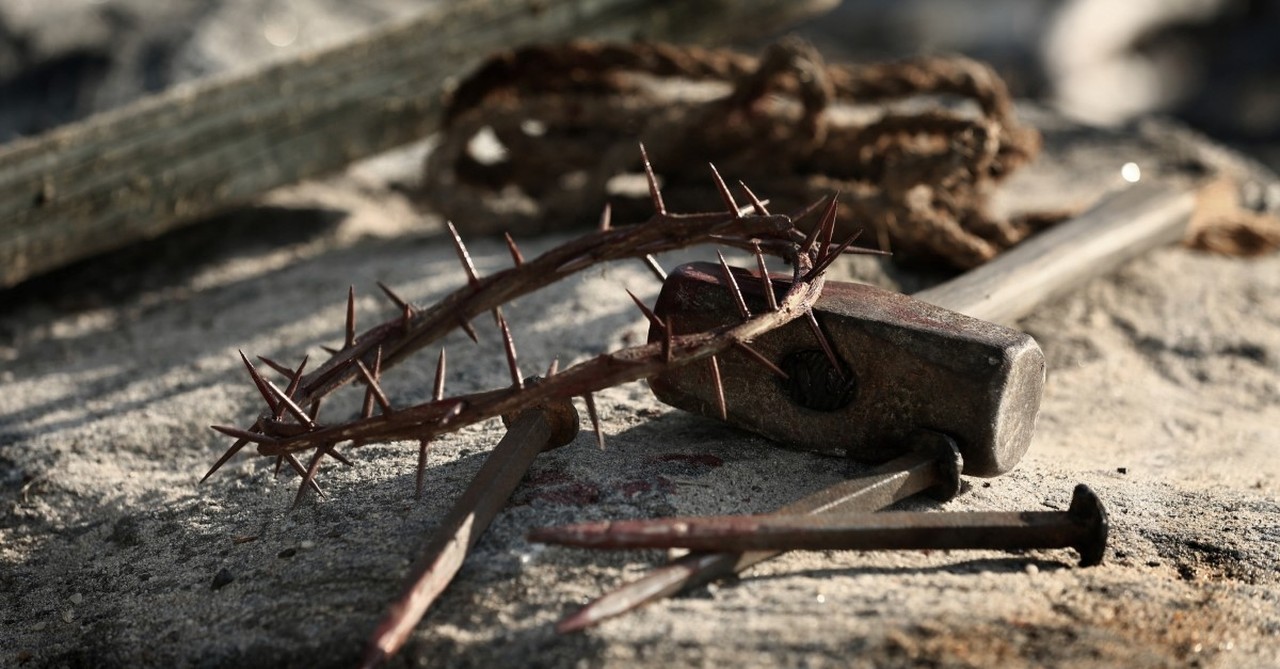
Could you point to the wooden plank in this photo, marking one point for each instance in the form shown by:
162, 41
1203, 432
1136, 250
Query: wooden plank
1122, 226
166, 160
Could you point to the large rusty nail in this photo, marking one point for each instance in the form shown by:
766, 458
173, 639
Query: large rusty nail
532, 431
933, 467
1082, 527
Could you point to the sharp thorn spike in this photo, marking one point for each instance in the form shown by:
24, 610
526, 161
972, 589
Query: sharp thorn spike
720, 401
738, 299
302, 471
259, 382
553, 368
297, 377
244, 435
756, 202
279, 462
655, 193
516, 256
807, 209
594, 415
648, 313
509, 345
400, 302
654, 267
350, 339
764, 276
289, 405
437, 393
406, 318
226, 456
463, 255
497, 317
822, 265
606, 218
373, 386
340, 457
310, 475
810, 239
829, 225
424, 445
724, 192
822, 341
330, 350
286, 372
757, 356
469, 329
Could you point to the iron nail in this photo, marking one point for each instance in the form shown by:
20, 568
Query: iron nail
933, 467
1082, 527
532, 431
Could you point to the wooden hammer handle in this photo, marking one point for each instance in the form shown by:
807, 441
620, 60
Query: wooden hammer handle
1122, 226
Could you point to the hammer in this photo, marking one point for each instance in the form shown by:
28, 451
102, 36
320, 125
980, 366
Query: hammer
941, 359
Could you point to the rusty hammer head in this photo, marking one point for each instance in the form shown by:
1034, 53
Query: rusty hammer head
902, 365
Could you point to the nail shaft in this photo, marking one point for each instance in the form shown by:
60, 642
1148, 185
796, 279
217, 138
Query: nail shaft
936, 466
1078, 529
532, 432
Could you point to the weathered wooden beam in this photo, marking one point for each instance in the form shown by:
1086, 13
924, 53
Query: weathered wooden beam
168, 159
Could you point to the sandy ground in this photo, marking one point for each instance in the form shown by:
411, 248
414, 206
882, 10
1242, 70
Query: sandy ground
1162, 396
1163, 391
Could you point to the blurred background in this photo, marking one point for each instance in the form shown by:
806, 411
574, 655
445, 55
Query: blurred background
1214, 64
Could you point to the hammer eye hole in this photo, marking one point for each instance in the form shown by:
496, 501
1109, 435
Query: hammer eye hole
815, 384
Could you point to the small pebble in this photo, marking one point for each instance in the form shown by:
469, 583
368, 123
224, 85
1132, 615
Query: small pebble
1032, 570
77, 599
40, 626
307, 545
222, 578
68, 616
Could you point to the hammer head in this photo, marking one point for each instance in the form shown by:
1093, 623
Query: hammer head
903, 365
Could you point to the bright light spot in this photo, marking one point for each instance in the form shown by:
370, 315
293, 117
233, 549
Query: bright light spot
1131, 172
822, 599
280, 29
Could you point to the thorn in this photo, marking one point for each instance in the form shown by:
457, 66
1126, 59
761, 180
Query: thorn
340, 457
244, 435
351, 318
297, 467
654, 267
281, 369
757, 356
648, 313
654, 193
822, 341
606, 218
297, 377
424, 445
437, 394
373, 386
764, 276
755, 201
279, 462
310, 476
314, 409
829, 225
260, 382
822, 265
733, 285
366, 409
510, 345
724, 192
330, 350
516, 256
462, 254
715, 377
595, 418
291, 406
553, 368
400, 302
406, 318
469, 329
828, 219
807, 209
230, 453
